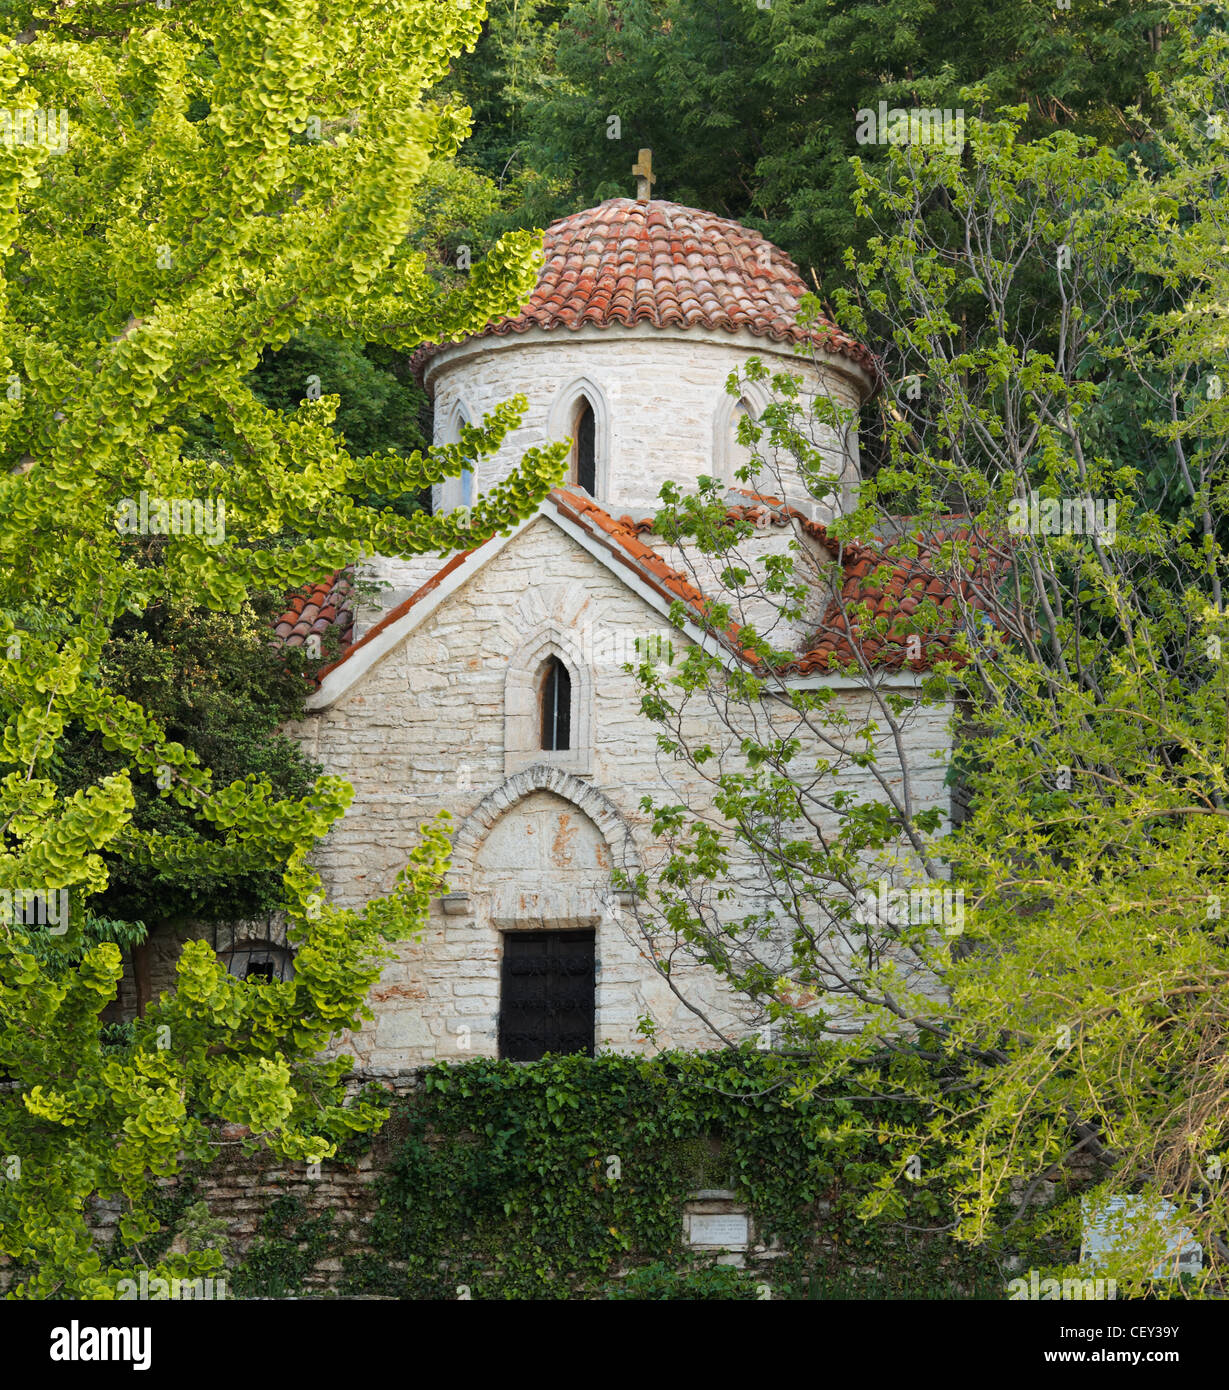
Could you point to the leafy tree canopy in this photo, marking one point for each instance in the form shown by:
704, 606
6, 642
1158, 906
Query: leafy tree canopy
186, 191
1057, 959
751, 109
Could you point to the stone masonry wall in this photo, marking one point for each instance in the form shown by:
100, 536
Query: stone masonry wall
425, 730
662, 413
240, 1189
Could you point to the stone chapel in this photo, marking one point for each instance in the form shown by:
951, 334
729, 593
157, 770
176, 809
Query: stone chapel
491, 683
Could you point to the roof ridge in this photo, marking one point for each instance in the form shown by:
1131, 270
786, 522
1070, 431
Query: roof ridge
838, 639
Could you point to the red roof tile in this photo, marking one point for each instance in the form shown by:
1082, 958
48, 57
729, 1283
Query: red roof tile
401, 609
624, 534
629, 262
315, 608
878, 586
890, 587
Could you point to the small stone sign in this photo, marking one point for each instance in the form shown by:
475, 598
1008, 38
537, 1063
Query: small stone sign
723, 1230
1109, 1226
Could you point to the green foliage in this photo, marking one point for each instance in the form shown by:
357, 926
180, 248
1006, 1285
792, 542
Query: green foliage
196, 1228
286, 1249
382, 406
510, 66
210, 242
750, 109
377, 411
659, 1283
233, 180
59, 955
1076, 1002
221, 690
505, 1182
177, 1210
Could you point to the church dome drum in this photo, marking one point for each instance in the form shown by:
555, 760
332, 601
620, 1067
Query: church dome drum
642, 310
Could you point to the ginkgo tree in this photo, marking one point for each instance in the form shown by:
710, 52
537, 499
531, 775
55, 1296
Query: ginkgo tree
183, 187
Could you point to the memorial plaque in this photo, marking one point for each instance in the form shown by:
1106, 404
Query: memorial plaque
724, 1230
1111, 1226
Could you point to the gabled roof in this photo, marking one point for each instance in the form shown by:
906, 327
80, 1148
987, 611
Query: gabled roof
630, 261
394, 615
873, 586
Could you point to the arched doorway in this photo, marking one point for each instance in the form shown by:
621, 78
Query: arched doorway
541, 874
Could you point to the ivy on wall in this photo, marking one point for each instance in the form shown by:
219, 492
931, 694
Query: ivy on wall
567, 1178
286, 1249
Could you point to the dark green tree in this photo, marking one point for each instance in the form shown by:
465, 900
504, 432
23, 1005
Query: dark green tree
751, 111
219, 687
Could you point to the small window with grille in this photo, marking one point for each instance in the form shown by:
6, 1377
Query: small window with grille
259, 962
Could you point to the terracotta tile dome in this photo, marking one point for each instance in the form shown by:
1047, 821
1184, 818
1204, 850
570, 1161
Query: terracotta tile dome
629, 261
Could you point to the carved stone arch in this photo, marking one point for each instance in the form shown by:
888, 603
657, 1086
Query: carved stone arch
727, 454
599, 808
522, 726
562, 420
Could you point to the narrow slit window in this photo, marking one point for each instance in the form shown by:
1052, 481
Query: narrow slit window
466, 487
584, 455
740, 454
556, 706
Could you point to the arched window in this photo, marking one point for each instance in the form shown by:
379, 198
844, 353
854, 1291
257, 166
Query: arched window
548, 704
260, 962
740, 454
466, 487
580, 414
456, 491
729, 455
556, 705
584, 448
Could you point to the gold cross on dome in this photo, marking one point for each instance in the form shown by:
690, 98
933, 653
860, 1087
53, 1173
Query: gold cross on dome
645, 177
